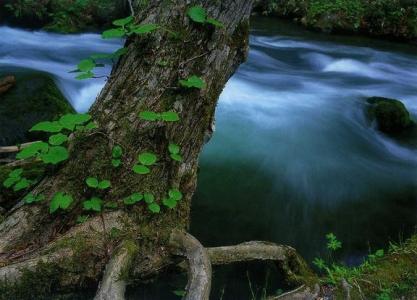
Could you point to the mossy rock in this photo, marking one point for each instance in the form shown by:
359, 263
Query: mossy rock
33, 99
391, 115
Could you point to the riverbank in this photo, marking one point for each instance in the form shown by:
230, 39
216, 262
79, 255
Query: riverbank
392, 19
64, 16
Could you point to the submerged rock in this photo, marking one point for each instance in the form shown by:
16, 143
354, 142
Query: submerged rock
6, 83
391, 115
34, 98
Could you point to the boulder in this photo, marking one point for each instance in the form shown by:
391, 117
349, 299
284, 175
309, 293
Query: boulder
391, 115
34, 98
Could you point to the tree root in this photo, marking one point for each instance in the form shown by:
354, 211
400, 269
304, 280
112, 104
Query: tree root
199, 262
113, 285
199, 265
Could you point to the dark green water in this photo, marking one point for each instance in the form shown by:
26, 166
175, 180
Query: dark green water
293, 156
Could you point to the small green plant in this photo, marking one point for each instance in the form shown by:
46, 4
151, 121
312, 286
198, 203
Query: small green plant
32, 198
193, 82
174, 152
133, 199
332, 242
60, 201
94, 183
199, 15
17, 181
117, 153
174, 196
145, 160
94, 204
53, 152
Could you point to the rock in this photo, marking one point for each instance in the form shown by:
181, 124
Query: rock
391, 115
6, 83
34, 98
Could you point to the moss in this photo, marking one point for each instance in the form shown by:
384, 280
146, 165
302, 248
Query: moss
33, 171
35, 98
389, 18
63, 15
394, 274
391, 115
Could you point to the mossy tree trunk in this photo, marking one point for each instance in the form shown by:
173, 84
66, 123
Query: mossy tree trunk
146, 78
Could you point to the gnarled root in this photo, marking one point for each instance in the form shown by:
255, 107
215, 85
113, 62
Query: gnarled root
199, 265
113, 285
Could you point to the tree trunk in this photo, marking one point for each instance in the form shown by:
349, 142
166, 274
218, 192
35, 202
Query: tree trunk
145, 79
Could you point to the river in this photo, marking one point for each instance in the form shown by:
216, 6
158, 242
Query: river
293, 156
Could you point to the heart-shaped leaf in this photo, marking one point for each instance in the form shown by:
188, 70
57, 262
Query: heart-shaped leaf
155, 208
175, 194
193, 82
47, 127
113, 33
149, 198
92, 182
147, 158
94, 204
123, 22
22, 184
33, 150
197, 13
57, 139
104, 184
141, 169
55, 155
60, 201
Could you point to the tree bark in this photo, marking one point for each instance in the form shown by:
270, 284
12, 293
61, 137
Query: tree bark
145, 79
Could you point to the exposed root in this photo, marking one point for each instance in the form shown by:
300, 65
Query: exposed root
301, 293
289, 261
13, 272
113, 285
199, 266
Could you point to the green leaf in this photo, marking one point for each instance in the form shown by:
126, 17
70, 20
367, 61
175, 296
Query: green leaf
92, 182
86, 75
174, 148
123, 22
175, 194
197, 13
142, 29
155, 208
69, 121
82, 219
176, 157
116, 162
47, 127
113, 33
91, 126
149, 116
193, 82
86, 65
133, 199
32, 150
379, 253
22, 184
170, 116
31, 198
141, 169
147, 158
119, 52
149, 198
319, 263
215, 22
57, 139
179, 293
60, 200
9, 182
111, 205
104, 184
170, 203
55, 155
117, 151
94, 204
16, 173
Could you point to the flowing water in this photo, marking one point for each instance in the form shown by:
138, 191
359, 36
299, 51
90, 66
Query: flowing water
293, 156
